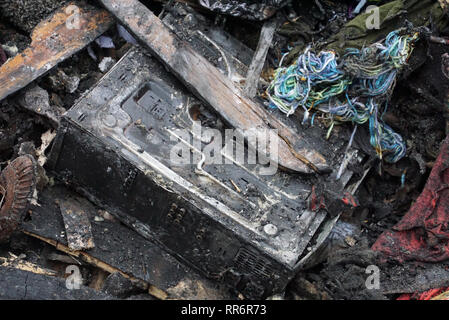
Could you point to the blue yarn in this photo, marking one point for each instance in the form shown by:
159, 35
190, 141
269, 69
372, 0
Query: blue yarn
364, 79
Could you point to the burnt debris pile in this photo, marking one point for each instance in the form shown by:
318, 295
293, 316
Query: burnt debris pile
224, 149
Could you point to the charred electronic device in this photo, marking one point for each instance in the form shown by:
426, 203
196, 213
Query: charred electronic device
230, 222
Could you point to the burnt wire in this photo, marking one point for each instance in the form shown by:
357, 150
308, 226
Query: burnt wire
355, 88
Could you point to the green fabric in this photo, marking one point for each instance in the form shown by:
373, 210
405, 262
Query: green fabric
356, 35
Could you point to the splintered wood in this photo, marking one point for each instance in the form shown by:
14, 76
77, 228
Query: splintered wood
16, 263
255, 69
209, 84
53, 41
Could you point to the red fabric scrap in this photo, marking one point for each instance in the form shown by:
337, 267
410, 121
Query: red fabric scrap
349, 200
423, 233
426, 295
313, 206
405, 296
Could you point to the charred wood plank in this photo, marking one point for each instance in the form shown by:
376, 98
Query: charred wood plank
16, 263
407, 279
255, 69
23, 285
53, 40
160, 294
209, 84
120, 249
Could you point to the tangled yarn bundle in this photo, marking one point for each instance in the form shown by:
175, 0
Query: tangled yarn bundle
354, 89
312, 80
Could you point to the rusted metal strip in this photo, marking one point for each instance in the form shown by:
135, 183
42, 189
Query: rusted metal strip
66, 32
209, 84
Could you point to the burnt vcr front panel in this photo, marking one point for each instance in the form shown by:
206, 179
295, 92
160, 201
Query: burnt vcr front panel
118, 145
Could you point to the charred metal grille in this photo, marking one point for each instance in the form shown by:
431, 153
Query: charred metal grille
248, 262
